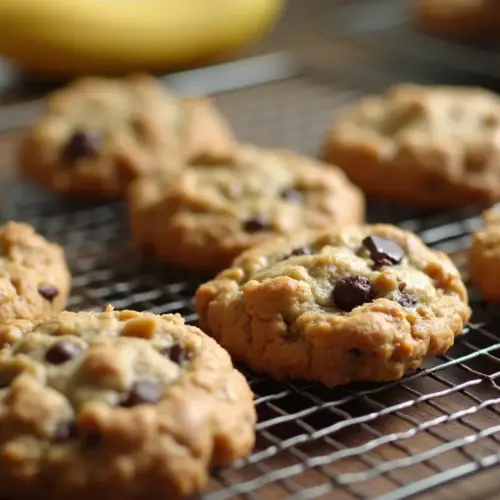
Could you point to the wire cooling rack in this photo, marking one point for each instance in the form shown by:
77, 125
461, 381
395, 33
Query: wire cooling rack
363, 441
360, 441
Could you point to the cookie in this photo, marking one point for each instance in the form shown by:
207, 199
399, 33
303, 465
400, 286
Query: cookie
116, 405
458, 18
361, 303
34, 277
484, 256
437, 146
208, 214
98, 134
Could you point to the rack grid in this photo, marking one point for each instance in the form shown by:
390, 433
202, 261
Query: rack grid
386, 441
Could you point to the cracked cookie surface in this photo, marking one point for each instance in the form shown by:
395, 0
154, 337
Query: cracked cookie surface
484, 256
431, 145
118, 404
208, 214
98, 134
364, 303
34, 277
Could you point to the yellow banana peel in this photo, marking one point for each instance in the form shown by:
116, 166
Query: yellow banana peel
72, 37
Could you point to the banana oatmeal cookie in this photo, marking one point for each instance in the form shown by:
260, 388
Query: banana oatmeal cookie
116, 405
208, 214
429, 145
484, 256
34, 277
363, 303
99, 134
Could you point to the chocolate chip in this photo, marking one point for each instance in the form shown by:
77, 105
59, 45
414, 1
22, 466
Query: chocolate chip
143, 391
351, 292
292, 195
92, 439
355, 352
301, 251
256, 224
48, 292
64, 431
177, 353
61, 352
383, 252
297, 252
407, 300
140, 128
82, 144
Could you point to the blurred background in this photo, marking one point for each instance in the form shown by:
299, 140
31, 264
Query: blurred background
358, 43
280, 70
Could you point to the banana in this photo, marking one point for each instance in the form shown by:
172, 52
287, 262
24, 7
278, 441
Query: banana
74, 37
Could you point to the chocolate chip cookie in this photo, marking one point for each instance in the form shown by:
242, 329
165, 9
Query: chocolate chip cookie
116, 405
430, 145
98, 134
458, 18
484, 256
363, 303
34, 277
208, 214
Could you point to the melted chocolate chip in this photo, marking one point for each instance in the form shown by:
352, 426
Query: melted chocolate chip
355, 352
256, 224
383, 252
139, 127
82, 144
301, 251
62, 352
407, 300
48, 292
297, 252
292, 195
177, 353
143, 391
352, 292
64, 431
92, 439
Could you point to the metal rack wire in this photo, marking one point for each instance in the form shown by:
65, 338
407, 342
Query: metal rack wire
361, 441
385, 441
